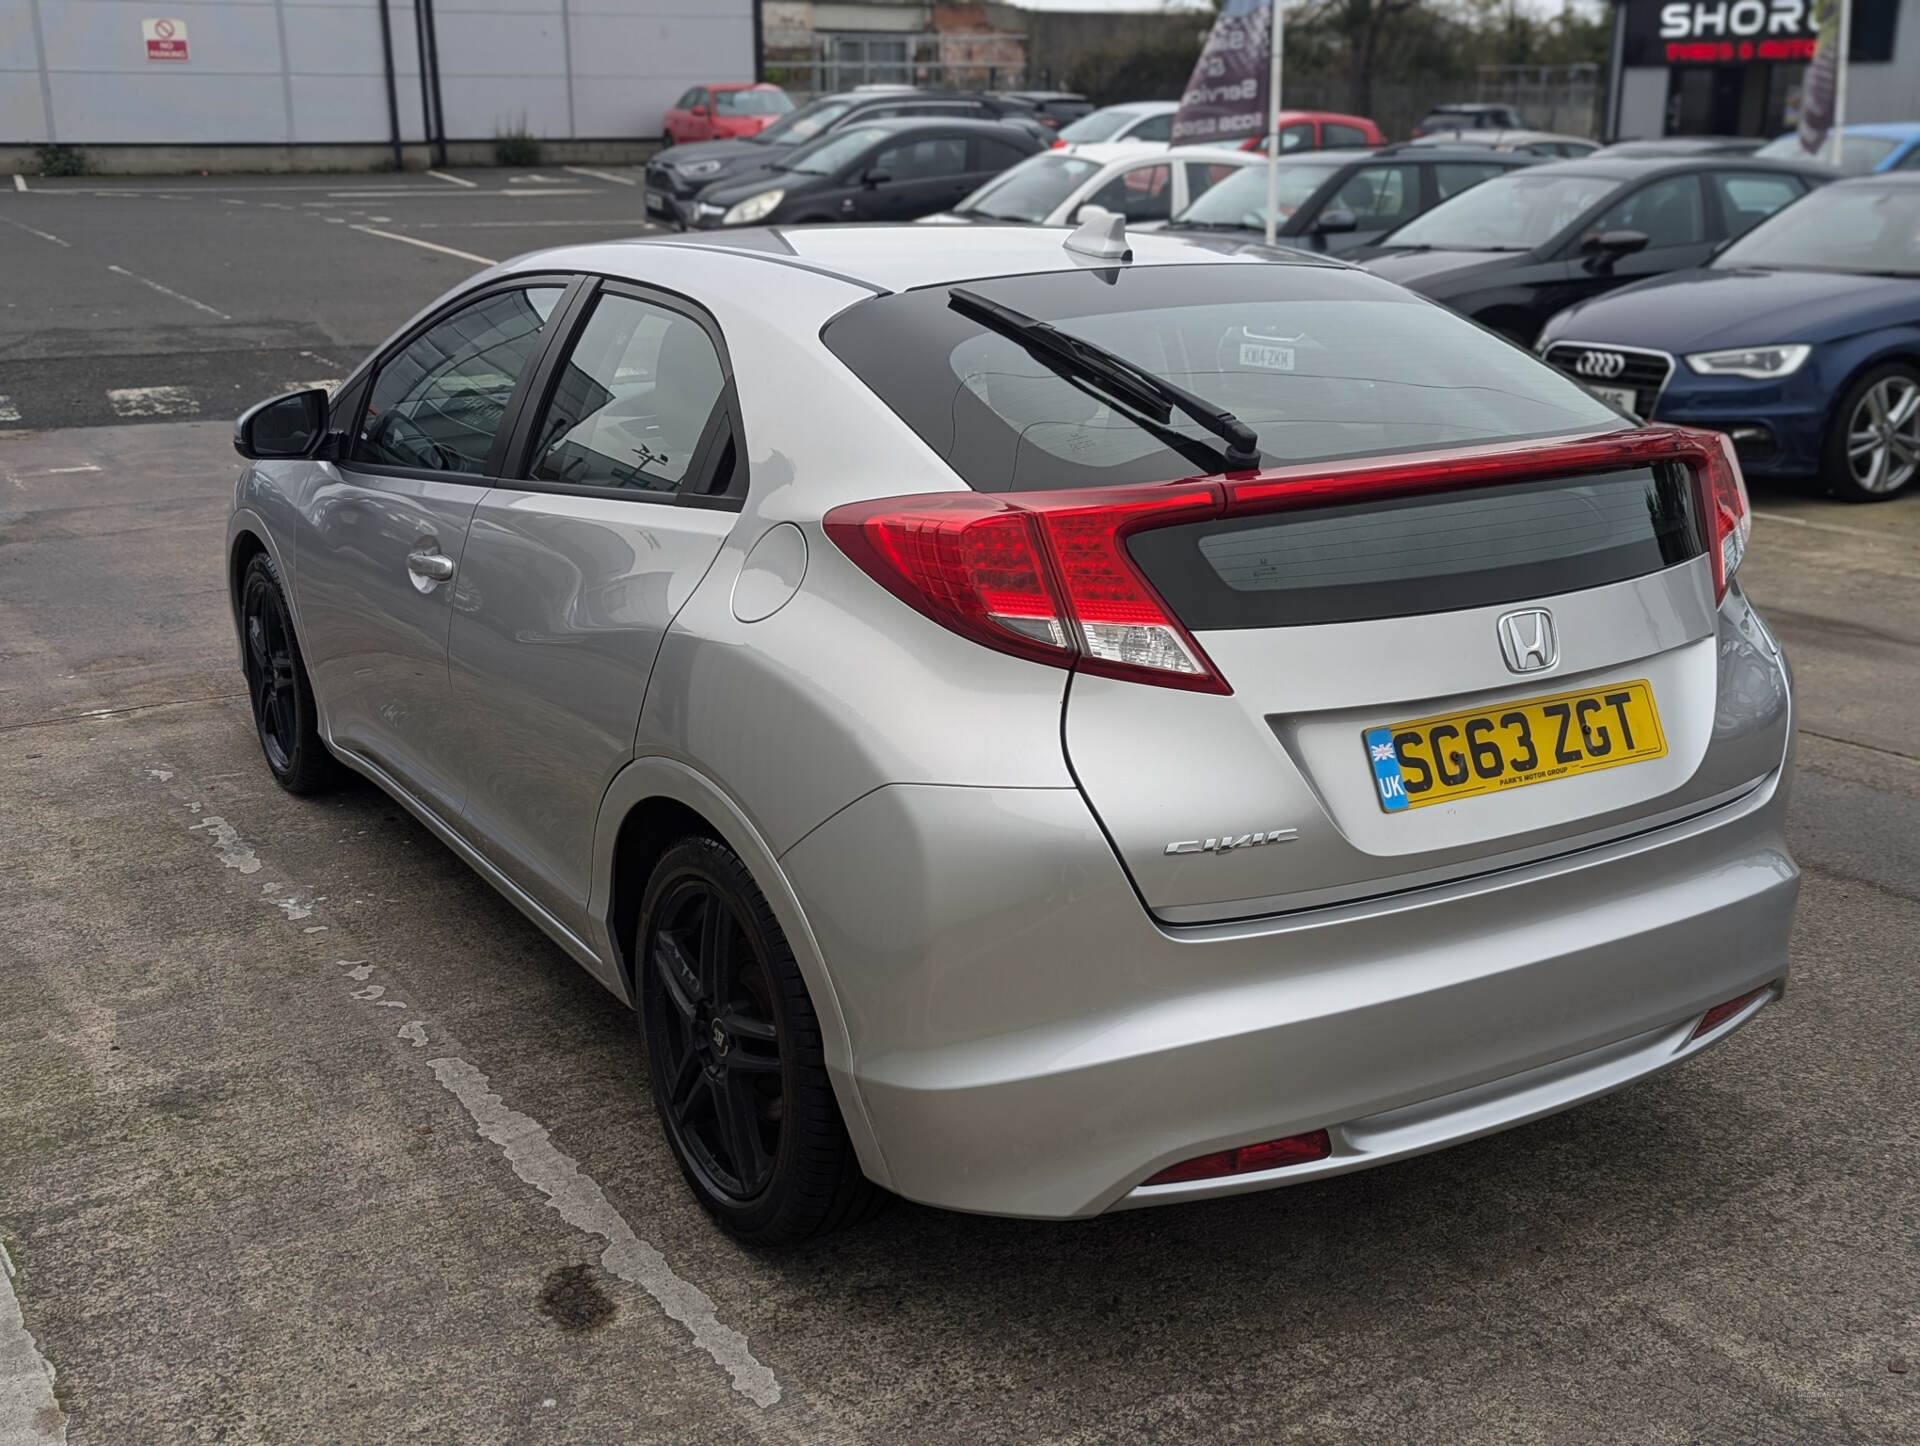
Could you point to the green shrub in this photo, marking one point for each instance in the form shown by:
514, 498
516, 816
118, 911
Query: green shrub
63, 161
517, 147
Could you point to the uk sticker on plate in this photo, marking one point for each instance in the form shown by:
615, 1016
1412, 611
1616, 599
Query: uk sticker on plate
1266, 356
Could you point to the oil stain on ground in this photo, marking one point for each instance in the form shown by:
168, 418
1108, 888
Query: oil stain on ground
572, 1299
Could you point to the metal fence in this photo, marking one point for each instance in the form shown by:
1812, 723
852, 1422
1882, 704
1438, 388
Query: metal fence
825, 63
1563, 98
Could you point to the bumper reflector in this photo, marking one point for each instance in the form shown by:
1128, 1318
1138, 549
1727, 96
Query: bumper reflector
1267, 1155
1721, 1013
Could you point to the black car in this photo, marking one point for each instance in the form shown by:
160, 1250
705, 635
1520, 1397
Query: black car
1336, 201
1470, 115
1052, 108
1513, 252
679, 173
883, 170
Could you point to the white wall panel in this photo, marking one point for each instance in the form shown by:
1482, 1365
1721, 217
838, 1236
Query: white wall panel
21, 113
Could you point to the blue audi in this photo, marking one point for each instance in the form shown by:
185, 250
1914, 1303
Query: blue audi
1800, 340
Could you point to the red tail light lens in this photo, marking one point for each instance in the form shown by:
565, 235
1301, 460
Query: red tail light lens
1058, 145
1267, 1155
1042, 575
1724, 506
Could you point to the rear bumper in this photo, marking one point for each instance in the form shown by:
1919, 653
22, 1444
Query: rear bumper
1027, 1041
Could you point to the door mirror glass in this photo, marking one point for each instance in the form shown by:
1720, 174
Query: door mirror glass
293, 425
1334, 221
1603, 248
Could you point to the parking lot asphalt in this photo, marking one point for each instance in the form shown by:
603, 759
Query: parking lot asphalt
305, 1135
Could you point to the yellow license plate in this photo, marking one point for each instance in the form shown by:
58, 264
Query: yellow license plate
1458, 755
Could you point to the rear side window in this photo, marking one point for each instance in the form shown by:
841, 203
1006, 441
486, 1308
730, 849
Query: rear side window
1454, 177
992, 155
634, 401
927, 160
1434, 553
1153, 128
1338, 135
1748, 197
437, 403
1321, 361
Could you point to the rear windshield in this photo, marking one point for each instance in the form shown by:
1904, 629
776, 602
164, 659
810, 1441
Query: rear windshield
1858, 154
1415, 555
1098, 126
1322, 361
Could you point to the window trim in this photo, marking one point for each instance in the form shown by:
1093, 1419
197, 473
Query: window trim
360, 384
726, 418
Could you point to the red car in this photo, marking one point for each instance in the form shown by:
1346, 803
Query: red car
1320, 130
718, 112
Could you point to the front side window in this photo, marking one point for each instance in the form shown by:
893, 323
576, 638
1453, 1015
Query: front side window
1669, 212
687, 101
929, 160
1099, 126
1380, 196
827, 155
633, 401
437, 403
1748, 197
1240, 201
804, 124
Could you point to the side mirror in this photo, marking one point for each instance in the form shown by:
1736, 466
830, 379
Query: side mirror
876, 177
1603, 248
293, 425
1335, 221
699, 112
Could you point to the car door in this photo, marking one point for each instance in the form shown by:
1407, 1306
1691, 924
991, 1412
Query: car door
378, 551
912, 177
1670, 210
629, 479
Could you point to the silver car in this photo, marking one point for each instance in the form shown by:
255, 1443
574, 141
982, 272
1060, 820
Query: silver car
1039, 724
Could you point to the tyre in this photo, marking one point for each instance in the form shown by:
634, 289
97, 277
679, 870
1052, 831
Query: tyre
278, 688
734, 1055
1872, 450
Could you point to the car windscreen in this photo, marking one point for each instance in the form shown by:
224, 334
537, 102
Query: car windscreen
1321, 361
828, 154
1862, 227
1241, 199
1858, 154
1515, 212
1098, 126
1029, 190
804, 124
751, 102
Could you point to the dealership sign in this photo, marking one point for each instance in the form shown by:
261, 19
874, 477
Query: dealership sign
166, 39
1720, 32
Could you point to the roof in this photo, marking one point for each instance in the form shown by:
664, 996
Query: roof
1626, 167
741, 85
943, 122
1485, 139
1905, 179
1140, 107
1887, 130
1469, 106
886, 258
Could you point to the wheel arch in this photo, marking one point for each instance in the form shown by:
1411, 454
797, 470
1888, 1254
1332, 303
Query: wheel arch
652, 803
1904, 350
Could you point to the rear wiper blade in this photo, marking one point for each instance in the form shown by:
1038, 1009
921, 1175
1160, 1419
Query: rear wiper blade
1153, 396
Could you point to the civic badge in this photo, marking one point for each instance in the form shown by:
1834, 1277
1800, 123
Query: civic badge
1527, 640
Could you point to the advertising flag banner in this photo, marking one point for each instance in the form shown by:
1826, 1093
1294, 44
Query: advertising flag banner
1818, 91
1225, 101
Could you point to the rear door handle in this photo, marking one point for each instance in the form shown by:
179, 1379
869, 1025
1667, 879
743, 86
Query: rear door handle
433, 566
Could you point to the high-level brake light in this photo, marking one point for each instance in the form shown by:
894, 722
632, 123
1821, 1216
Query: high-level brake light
1047, 576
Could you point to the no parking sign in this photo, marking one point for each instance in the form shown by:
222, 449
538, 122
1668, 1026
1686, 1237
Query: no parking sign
166, 39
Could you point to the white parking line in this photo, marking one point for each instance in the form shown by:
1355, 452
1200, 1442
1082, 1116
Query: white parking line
169, 291
36, 231
546, 191
426, 245
29, 1414
1816, 526
152, 401
602, 175
451, 180
19, 182
582, 1204
575, 1195
8, 411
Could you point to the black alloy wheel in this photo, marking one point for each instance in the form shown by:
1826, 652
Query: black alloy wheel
277, 685
734, 1055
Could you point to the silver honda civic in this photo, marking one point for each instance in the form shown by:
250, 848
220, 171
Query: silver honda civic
1040, 724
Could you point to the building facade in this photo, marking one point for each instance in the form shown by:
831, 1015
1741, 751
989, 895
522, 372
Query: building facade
1735, 67
335, 81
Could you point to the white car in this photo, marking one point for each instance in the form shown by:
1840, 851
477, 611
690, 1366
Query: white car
1144, 186
1138, 123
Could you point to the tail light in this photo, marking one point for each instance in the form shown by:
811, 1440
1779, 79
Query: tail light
1046, 575
1267, 1155
1724, 510
1058, 145
1041, 575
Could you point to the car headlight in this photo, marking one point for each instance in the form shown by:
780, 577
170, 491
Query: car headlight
695, 169
754, 208
1759, 363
